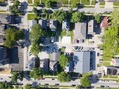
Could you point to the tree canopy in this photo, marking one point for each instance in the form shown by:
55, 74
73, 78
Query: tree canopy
27, 87
4, 85
36, 73
35, 49
85, 82
14, 9
111, 41
77, 17
114, 18
15, 77
60, 15
111, 37
98, 18
12, 36
48, 3
36, 33
63, 60
64, 77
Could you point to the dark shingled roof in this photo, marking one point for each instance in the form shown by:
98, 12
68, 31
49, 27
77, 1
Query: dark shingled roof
16, 58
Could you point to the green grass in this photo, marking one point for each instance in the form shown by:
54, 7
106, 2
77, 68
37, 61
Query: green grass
2, 0
116, 3
106, 63
109, 76
30, 1
102, 3
31, 16
106, 88
89, 6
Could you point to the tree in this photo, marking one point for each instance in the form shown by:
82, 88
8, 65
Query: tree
98, 18
78, 87
15, 77
63, 60
60, 15
35, 10
12, 36
14, 9
111, 41
48, 3
35, 49
4, 85
77, 17
85, 82
36, 73
64, 77
114, 18
27, 86
36, 33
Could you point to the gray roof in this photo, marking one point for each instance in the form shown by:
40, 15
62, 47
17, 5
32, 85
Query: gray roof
53, 60
43, 23
3, 56
54, 56
80, 31
44, 64
117, 61
53, 25
16, 58
2, 28
91, 27
5, 18
30, 64
81, 62
66, 25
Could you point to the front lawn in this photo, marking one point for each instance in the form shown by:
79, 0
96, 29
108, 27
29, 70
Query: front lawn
116, 3
106, 63
109, 76
30, 1
31, 16
102, 3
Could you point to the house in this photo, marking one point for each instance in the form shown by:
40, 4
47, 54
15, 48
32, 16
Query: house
81, 62
16, 58
80, 31
1, 34
3, 56
111, 70
31, 23
30, 64
91, 27
115, 62
53, 25
54, 61
44, 64
43, 24
5, 18
66, 25
44, 60
104, 23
